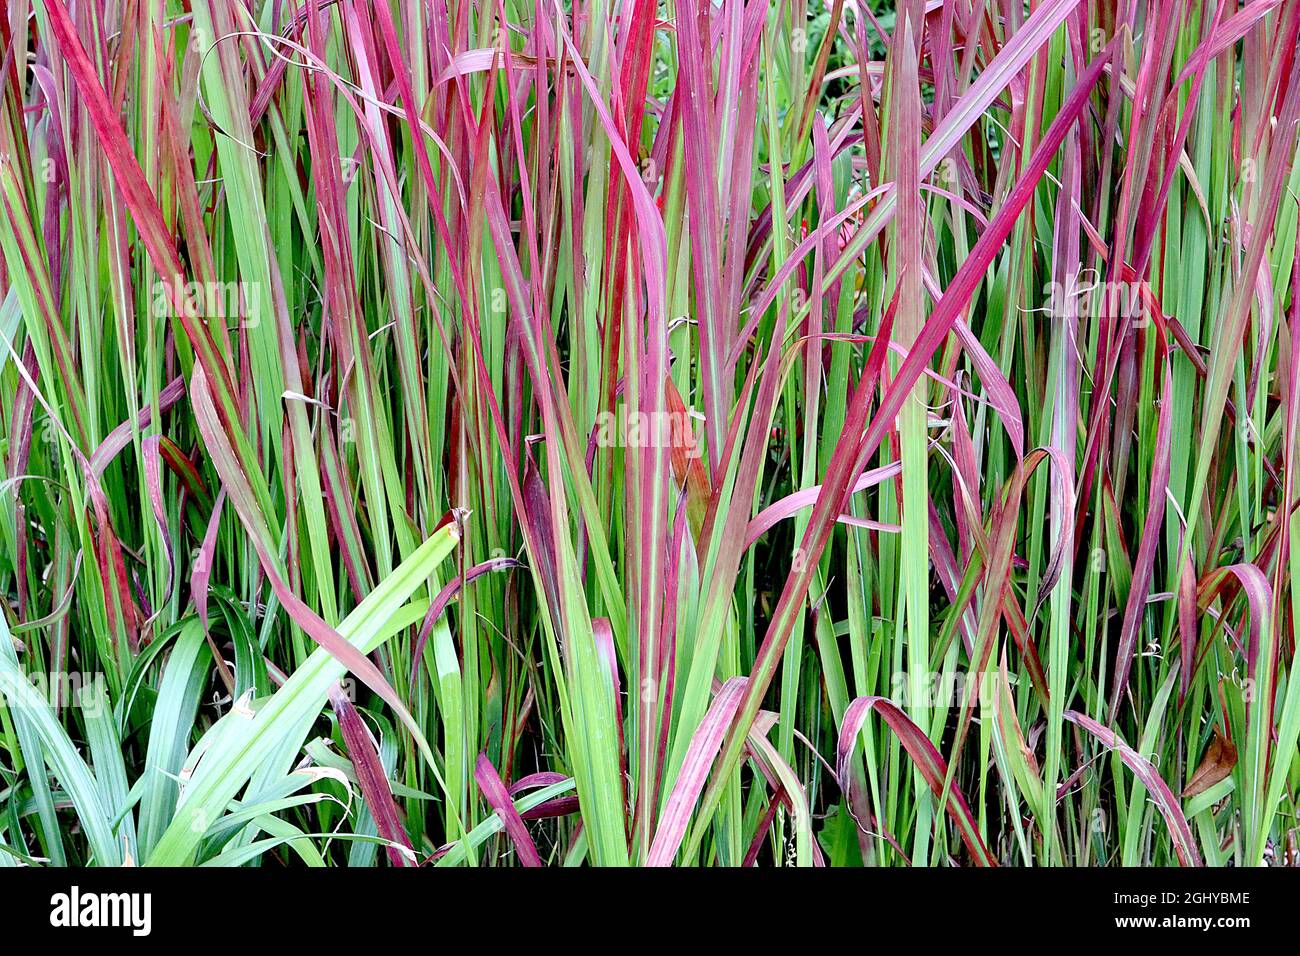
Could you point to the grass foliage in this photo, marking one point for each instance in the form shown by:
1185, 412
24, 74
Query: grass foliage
456, 432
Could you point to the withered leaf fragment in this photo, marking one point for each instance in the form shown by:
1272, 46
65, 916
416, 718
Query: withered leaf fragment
1220, 757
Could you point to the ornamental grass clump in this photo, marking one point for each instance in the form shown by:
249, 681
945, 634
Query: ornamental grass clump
742, 433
